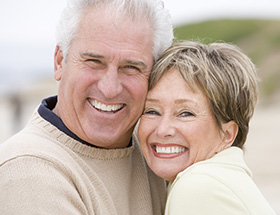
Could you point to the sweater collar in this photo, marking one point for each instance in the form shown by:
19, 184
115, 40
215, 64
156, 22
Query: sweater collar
45, 111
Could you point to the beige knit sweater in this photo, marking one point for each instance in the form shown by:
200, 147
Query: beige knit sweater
44, 171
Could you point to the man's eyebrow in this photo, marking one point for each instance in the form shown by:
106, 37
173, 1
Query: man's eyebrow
137, 63
130, 62
90, 55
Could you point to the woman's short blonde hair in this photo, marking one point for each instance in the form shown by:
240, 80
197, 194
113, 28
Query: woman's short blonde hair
225, 75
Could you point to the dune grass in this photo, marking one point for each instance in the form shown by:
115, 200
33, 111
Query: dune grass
259, 39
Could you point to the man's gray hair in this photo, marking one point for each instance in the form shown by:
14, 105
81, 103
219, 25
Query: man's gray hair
137, 10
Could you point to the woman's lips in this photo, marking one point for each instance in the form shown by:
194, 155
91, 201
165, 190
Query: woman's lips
168, 150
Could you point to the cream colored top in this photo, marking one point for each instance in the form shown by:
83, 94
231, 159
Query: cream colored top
221, 185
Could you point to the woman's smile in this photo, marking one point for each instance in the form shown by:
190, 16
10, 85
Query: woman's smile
167, 151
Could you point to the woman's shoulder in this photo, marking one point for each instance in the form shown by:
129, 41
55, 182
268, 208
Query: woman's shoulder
218, 182
200, 193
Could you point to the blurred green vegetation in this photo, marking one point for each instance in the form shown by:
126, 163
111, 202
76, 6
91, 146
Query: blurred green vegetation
259, 39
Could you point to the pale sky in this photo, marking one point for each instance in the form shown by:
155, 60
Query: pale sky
27, 38
187, 11
34, 21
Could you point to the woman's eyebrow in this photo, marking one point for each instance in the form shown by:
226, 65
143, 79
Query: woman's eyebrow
151, 100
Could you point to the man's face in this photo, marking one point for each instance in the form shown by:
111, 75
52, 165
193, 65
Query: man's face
103, 81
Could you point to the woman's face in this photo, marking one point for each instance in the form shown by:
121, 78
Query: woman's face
177, 128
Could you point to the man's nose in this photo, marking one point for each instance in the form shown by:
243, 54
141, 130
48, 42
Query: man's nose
110, 84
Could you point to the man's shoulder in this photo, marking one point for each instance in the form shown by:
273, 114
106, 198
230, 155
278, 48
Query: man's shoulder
26, 144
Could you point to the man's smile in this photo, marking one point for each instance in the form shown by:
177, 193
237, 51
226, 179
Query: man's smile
105, 108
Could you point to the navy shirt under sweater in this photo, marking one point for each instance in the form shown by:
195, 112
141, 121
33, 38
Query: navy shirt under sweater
45, 111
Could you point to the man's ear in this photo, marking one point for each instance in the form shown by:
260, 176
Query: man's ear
230, 131
58, 60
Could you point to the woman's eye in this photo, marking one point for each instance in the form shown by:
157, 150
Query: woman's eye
186, 114
151, 112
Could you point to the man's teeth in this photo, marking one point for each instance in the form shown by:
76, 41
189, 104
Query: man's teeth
103, 107
169, 150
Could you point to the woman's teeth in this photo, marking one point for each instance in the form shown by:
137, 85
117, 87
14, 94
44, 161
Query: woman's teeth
169, 150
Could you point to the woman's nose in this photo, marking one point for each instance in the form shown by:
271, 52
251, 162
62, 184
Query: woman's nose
166, 128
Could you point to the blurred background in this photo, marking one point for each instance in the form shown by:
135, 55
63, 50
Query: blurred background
27, 43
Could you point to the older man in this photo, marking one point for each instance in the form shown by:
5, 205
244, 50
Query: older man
77, 154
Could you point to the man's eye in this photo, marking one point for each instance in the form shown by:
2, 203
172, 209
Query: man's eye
94, 61
95, 64
132, 68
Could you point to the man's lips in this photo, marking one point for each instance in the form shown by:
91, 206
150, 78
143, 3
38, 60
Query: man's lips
168, 150
105, 108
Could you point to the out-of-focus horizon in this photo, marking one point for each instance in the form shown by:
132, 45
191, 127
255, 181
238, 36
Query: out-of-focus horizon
27, 39
27, 44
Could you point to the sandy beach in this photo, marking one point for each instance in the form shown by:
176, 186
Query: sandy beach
261, 152
261, 149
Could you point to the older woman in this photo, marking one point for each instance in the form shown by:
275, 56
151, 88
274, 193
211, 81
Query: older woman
194, 126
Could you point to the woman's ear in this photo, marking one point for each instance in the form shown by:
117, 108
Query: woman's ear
230, 131
58, 59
